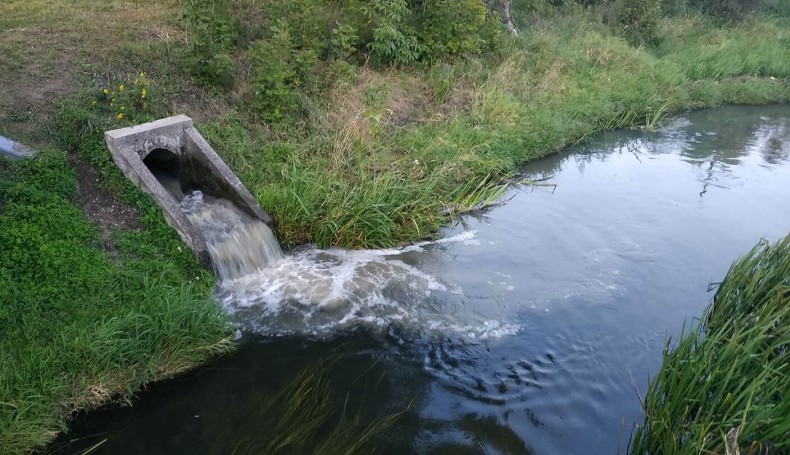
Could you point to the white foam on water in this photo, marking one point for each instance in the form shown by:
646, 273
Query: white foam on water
322, 292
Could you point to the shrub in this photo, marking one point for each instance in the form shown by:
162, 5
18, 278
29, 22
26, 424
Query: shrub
277, 72
393, 41
638, 20
728, 10
451, 27
211, 33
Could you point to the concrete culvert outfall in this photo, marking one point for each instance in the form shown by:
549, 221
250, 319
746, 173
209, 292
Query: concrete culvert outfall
201, 198
164, 165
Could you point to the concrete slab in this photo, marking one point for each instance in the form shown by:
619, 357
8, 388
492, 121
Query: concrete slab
15, 150
172, 146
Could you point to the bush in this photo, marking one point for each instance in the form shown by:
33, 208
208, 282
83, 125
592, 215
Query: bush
728, 10
277, 70
211, 33
638, 20
393, 41
451, 27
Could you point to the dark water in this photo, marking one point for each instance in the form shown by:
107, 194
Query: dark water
531, 329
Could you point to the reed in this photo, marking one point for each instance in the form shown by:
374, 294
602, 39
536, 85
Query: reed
307, 416
724, 385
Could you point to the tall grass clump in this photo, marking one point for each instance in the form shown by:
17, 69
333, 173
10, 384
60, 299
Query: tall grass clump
724, 385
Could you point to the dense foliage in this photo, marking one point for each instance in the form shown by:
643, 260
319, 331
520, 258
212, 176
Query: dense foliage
284, 41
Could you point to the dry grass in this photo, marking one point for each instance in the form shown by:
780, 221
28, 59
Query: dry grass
46, 47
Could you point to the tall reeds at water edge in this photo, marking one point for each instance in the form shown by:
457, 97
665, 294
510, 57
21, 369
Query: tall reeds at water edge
724, 385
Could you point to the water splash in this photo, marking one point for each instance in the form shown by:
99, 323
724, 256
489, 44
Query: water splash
239, 244
317, 292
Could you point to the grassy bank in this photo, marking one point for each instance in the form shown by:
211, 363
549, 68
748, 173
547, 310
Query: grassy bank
343, 142
345, 150
80, 324
724, 385
360, 153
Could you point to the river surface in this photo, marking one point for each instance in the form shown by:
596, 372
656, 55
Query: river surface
531, 328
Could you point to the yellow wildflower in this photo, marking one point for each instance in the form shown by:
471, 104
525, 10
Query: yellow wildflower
106, 91
142, 74
123, 108
93, 103
112, 102
120, 88
119, 116
143, 93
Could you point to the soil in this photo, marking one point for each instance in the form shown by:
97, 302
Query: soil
101, 207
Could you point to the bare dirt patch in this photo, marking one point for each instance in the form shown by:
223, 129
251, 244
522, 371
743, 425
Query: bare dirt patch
101, 207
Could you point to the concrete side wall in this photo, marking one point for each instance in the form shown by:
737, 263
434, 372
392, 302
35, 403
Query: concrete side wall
200, 165
220, 181
139, 174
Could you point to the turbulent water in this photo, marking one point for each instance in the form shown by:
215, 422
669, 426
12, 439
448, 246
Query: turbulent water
529, 329
322, 292
239, 244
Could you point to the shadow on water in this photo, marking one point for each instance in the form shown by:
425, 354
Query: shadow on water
529, 329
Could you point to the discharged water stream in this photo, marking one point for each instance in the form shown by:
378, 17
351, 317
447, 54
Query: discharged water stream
239, 244
529, 329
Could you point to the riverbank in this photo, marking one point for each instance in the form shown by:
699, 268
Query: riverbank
365, 155
723, 385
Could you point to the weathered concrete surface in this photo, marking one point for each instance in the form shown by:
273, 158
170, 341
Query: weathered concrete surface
200, 168
15, 150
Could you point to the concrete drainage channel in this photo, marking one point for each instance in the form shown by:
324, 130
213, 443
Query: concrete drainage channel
15, 150
167, 158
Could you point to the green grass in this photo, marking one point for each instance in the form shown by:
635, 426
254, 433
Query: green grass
724, 385
306, 416
373, 156
78, 326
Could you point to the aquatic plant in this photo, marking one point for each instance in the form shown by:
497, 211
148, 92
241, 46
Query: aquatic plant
305, 416
724, 385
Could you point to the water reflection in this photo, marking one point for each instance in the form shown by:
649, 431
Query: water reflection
591, 275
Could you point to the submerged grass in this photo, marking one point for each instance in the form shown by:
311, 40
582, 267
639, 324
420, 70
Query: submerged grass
724, 386
305, 416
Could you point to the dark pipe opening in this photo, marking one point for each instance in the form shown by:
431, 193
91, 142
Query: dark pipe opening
164, 161
165, 166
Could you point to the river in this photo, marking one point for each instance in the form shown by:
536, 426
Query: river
530, 328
